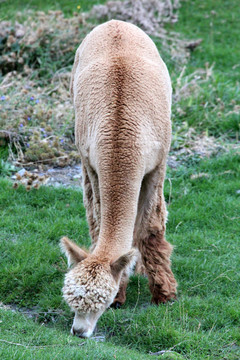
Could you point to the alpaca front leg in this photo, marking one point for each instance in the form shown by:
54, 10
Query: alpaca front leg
91, 202
156, 253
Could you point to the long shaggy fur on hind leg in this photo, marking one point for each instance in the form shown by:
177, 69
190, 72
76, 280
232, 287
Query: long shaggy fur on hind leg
156, 258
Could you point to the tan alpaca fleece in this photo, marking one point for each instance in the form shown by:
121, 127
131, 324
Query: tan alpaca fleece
121, 92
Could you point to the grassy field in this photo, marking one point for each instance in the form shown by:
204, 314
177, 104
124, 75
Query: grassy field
203, 226
216, 107
203, 204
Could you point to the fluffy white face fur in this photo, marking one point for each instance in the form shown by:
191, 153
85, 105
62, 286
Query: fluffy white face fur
91, 285
89, 289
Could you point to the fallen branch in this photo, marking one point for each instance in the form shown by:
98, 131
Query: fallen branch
161, 352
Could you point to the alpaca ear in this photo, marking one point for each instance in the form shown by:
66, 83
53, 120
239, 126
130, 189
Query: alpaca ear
73, 252
122, 262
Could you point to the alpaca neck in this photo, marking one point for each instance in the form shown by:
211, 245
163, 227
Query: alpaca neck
119, 203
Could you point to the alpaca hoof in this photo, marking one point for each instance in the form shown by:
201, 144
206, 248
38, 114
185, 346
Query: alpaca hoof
116, 305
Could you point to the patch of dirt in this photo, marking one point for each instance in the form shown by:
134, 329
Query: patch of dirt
34, 313
70, 176
196, 147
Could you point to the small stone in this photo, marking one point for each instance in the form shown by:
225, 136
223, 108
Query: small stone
57, 184
172, 162
21, 172
19, 33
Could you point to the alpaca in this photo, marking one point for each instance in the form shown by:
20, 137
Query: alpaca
121, 92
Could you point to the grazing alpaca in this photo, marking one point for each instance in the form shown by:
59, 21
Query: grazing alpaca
122, 97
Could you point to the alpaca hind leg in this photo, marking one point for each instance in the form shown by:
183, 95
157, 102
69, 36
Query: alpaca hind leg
156, 257
154, 248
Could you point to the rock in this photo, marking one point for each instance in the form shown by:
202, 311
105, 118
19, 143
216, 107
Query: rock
21, 172
19, 33
77, 176
172, 162
57, 184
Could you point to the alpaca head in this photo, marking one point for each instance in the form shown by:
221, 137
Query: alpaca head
91, 285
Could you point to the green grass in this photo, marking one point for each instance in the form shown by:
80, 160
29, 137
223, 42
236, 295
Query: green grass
203, 226
36, 341
6, 168
216, 22
42, 218
213, 109
8, 8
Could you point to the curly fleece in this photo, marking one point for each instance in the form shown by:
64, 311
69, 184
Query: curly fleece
88, 287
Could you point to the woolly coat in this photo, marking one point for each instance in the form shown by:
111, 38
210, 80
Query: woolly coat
122, 97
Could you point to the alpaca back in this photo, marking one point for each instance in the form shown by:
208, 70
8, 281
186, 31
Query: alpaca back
122, 92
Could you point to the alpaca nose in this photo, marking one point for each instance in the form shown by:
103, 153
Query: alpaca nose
79, 332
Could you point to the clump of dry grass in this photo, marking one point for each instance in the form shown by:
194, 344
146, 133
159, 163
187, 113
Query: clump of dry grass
151, 16
191, 84
38, 121
36, 114
49, 35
